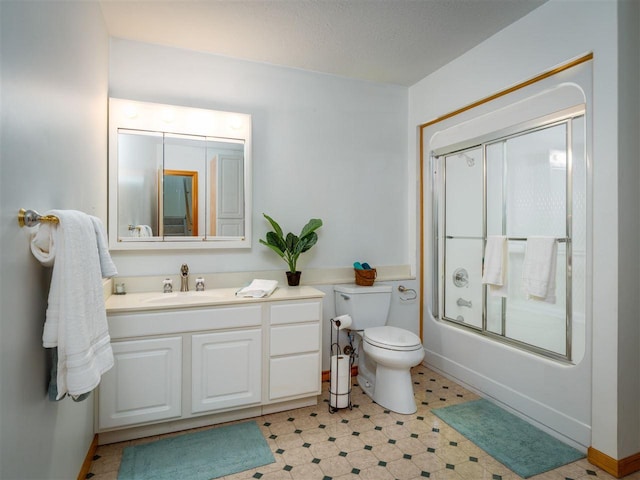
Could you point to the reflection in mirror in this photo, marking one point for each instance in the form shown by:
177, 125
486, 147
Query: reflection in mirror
180, 208
183, 183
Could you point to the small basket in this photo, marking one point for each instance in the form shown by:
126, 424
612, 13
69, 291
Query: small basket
365, 278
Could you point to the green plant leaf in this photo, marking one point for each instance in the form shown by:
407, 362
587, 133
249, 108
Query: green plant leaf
308, 242
311, 226
277, 241
292, 242
273, 247
274, 225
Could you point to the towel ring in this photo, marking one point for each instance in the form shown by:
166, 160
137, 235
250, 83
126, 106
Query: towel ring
31, 218
403, 289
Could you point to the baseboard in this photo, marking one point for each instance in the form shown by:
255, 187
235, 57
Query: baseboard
326, 375
617, 468
86, 465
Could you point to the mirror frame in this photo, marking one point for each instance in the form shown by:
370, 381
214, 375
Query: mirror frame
155, 117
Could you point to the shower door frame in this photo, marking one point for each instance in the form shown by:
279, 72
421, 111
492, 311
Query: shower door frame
437, 161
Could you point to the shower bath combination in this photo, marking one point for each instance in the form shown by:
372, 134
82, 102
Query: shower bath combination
529, 182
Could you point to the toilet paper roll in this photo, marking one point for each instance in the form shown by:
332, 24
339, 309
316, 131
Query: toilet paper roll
344, 321
340, 378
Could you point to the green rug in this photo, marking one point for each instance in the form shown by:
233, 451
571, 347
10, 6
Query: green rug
201, 455
515, 443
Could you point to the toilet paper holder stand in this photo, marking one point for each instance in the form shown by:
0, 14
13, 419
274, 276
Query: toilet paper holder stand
341, 363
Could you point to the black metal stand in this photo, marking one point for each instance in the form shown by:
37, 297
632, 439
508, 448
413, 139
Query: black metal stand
334, 396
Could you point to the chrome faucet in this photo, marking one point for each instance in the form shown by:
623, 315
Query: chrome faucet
184, 278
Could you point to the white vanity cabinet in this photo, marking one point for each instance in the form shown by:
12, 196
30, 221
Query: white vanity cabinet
188, 366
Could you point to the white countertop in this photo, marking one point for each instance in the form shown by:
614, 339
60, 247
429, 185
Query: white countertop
132, 302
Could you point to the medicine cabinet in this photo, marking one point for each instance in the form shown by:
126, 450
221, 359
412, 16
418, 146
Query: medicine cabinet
179, 177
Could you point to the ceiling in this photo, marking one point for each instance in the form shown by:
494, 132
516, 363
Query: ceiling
388, 41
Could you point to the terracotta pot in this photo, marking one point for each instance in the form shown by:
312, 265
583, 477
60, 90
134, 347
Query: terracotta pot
293, 278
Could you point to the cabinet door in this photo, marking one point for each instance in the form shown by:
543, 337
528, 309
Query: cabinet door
226, 370
144, 385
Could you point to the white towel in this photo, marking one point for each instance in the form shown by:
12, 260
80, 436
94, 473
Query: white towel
142, 231
258, 288
539, 269
496, 269
76, 320
107, 267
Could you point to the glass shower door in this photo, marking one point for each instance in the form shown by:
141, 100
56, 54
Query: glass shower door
464, 237
527, 197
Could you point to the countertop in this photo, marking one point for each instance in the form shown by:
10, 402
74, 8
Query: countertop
146, 301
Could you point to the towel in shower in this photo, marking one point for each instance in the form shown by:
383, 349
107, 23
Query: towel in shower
258, 288
142, 231
539, 269
496, 256
76, 320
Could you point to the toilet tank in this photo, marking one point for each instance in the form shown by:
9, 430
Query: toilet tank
367, 306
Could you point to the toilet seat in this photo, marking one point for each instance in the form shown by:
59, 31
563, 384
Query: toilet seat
392, 338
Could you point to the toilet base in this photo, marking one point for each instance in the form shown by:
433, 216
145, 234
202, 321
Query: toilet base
394, 390
389, 388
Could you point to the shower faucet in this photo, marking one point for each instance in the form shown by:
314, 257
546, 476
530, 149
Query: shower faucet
461, 302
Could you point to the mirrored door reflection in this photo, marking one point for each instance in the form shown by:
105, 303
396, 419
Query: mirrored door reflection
180, 205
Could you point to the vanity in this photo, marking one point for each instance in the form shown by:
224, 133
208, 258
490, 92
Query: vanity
190, 359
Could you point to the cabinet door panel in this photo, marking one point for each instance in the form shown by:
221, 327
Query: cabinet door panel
288, 339
295, 312
145, 383
226, 370
294, 375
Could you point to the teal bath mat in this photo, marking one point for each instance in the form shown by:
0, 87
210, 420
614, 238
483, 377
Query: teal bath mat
518, 445
201, 455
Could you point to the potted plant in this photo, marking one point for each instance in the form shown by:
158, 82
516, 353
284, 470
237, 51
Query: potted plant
290, 247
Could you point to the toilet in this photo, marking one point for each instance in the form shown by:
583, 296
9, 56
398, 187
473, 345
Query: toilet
387, 353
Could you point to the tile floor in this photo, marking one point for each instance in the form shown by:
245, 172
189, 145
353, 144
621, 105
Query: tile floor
368, 442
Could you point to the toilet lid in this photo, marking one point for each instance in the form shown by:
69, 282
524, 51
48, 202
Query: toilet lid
392, 338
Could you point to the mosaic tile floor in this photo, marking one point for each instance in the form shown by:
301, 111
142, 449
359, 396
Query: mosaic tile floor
368, 442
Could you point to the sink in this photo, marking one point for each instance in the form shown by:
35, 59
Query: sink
176, 298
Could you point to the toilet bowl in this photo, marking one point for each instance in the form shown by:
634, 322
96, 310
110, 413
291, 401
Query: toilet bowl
387, 353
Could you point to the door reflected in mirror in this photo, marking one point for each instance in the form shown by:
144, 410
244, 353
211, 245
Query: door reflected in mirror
180, 205
172, 189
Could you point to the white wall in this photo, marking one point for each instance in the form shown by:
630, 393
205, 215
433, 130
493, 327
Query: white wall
628, 218
551, 35
54, 66
323, 146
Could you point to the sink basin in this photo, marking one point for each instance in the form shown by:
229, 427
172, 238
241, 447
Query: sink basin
188, 297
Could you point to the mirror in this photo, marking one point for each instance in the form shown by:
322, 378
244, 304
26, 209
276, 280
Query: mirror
178, 177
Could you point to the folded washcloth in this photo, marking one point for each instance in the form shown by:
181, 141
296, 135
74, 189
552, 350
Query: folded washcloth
496, 270
76, 320
258, 288
539, 269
